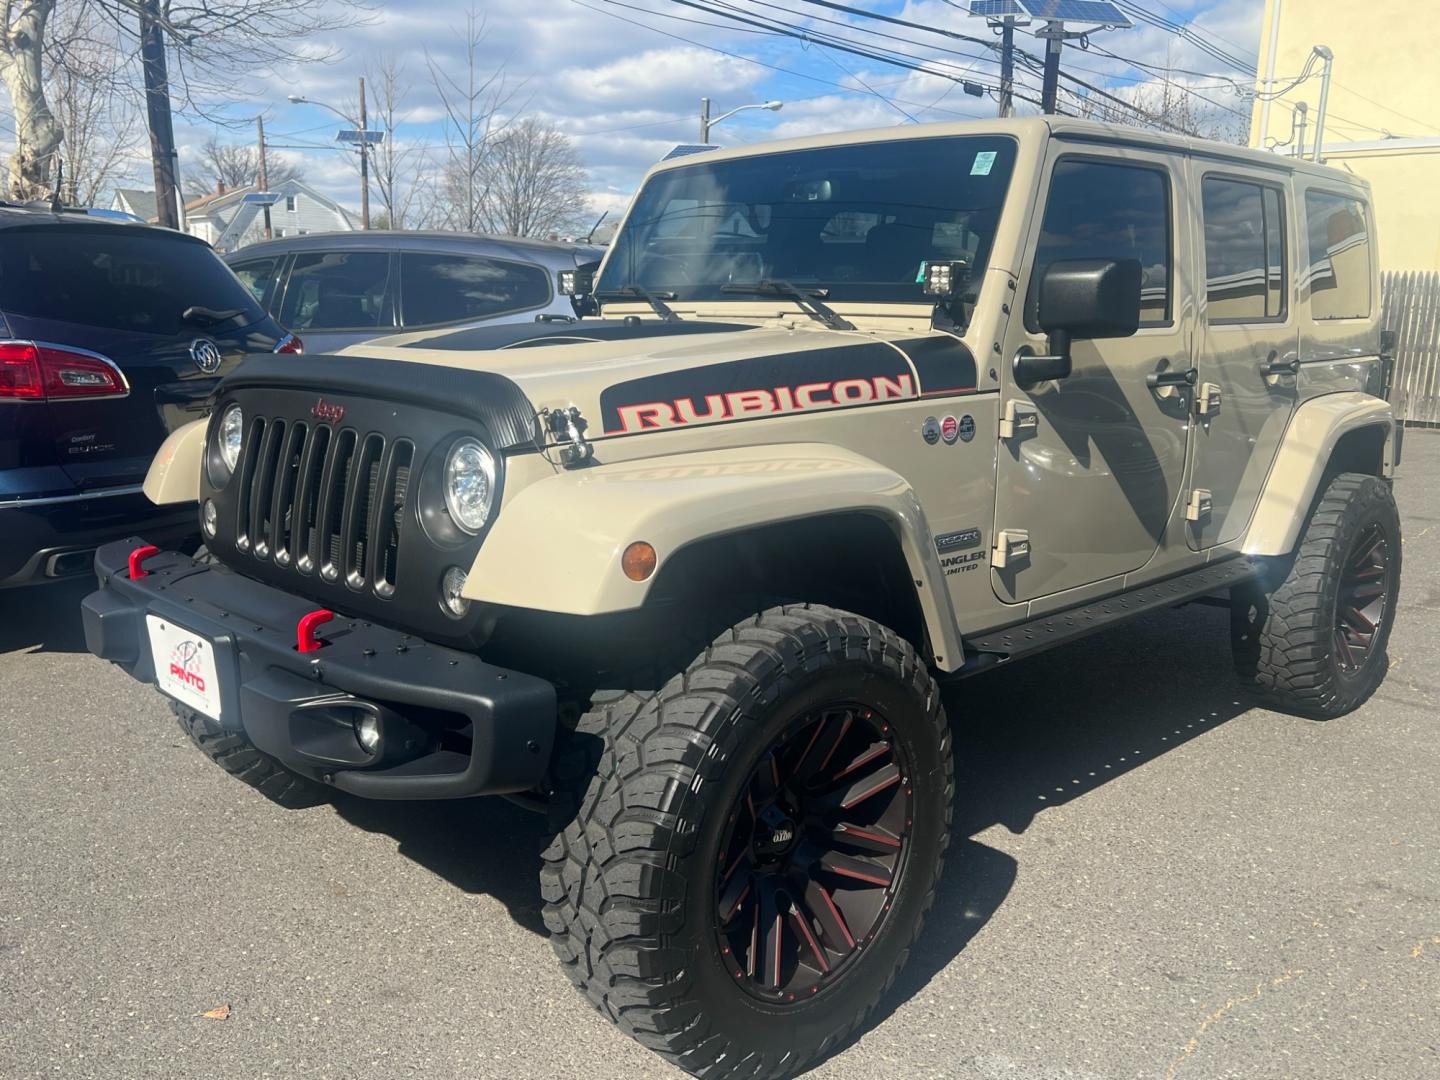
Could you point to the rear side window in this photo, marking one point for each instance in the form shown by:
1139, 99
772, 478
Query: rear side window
1244, 251
338, 290
115, 277
257, 275
450, 288
1098, 210
1337, 274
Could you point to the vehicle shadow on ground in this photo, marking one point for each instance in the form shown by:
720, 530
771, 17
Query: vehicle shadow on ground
1037, 735
1052, 729
44, 618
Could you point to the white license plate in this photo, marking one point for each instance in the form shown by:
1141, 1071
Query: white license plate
185, 666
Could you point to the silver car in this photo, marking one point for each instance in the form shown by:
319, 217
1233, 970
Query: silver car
338, 289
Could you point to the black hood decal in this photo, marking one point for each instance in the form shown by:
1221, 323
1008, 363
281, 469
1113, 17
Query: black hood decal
860, 372
525, 335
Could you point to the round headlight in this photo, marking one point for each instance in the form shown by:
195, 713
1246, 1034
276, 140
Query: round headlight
232, 431
469, 484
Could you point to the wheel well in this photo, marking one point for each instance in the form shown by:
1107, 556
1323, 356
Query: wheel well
1358, 451
851, 561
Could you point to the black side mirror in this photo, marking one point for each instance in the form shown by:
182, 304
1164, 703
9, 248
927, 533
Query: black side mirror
1081, 298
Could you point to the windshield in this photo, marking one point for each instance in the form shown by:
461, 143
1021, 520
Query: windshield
859, 221
114, 277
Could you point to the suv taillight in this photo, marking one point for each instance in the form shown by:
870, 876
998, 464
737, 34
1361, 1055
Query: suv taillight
37, 371
290, 343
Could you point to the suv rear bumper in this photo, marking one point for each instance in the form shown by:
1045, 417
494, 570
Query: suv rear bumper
43, 539
451, 724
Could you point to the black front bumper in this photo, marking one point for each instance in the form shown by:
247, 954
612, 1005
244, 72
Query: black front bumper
452, 725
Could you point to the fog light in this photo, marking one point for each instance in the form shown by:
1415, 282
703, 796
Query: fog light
209, 516
451, 586
367, 733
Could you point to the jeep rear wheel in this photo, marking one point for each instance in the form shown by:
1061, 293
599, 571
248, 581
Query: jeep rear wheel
743, 860
1315, 644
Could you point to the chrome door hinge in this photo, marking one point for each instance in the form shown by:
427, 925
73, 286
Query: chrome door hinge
1207, 399
1011, 546
1198, 508
1018, 420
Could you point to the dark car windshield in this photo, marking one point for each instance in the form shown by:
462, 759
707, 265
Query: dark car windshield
116, 277
859, 220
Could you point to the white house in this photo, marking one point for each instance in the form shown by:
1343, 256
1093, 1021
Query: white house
300, 210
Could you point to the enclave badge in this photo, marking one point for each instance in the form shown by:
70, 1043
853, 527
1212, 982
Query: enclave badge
324, 410
206, 355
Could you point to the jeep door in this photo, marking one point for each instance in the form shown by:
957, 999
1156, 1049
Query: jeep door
1248, 335
1096, 462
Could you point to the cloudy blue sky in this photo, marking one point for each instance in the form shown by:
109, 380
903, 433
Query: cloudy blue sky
624, 77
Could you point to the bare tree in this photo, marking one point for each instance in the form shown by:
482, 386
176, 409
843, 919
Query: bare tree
213, 43
101, 144
534, 182
237, 165
399, 167
477, 109
1167, 104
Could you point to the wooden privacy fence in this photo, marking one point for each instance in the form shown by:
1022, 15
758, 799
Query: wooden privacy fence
1412, 309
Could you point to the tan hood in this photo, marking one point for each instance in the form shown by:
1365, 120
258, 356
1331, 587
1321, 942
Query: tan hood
662, 375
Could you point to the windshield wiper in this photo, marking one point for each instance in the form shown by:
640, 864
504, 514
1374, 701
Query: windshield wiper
655, 300
811, 301
205, 316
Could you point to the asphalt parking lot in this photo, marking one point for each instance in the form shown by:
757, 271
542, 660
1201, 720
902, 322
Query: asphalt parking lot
1149, 879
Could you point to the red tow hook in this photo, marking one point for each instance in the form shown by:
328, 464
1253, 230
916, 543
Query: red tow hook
305, 638
137, 560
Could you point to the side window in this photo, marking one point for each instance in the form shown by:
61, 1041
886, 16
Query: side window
449, 288
338, 290
1337, 272
1097, 210
257, 275
1244, 251
290, 203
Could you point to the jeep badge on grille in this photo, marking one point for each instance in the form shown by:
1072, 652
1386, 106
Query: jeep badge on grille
324, 410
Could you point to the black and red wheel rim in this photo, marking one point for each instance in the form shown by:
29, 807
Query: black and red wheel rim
812, 854
1363, 600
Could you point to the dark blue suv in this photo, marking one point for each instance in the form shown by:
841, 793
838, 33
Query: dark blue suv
111, 336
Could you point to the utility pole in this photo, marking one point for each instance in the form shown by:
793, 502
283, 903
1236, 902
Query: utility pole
364, 162
157, 107
704, 121
1007, 66
264, 178
1329, 57
1054, 35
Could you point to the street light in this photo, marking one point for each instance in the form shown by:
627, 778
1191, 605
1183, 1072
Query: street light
706, 123
363, 137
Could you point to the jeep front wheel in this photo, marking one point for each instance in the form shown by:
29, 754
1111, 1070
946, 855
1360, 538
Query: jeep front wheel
743, 860
1315, 644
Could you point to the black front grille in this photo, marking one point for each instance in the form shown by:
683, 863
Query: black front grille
324, 502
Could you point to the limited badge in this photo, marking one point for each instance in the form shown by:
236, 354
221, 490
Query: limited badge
950, 429
967, 427
930, 430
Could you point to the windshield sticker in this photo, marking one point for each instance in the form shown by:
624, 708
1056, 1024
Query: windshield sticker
984, 162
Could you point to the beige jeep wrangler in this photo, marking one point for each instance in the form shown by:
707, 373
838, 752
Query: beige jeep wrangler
862, 413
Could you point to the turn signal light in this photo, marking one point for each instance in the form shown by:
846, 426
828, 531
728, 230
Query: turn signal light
32, 371
638, 561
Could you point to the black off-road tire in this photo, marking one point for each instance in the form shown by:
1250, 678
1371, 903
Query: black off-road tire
1284, 638
239, 757
643, 789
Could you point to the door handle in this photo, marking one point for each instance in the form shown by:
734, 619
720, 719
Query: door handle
1272, 366
1186, 377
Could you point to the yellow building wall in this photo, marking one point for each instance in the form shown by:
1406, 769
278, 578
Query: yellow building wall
1385, 80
